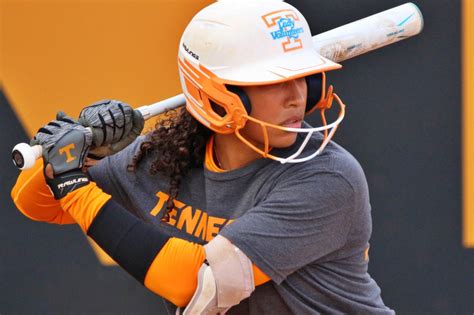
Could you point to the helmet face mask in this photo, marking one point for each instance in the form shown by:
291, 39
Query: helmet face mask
226, 47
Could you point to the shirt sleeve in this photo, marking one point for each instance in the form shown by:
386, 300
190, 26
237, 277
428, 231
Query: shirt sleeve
306, 216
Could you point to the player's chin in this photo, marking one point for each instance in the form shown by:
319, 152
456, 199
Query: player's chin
283, 140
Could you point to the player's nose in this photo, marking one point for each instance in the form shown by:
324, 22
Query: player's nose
296, 91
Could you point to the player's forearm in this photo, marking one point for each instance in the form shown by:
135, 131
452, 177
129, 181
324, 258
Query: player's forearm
166, 265
34, 199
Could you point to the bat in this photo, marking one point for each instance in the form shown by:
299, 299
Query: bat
370, 33
338, 44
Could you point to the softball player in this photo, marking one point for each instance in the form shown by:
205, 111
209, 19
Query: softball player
233, 204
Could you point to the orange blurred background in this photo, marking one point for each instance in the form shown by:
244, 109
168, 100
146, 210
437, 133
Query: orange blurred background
66, 54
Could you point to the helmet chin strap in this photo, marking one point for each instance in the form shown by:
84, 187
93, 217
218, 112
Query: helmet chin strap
326, 104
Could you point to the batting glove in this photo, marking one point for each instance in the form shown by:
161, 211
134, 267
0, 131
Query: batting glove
114, 124
65, 145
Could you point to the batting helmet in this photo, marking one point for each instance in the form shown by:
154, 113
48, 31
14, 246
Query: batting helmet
235, 43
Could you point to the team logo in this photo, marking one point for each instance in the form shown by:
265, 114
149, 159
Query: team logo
286, 28
67, 150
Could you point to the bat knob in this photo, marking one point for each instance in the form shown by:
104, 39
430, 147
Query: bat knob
23, 156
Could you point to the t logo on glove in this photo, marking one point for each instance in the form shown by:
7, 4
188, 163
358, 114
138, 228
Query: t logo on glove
67, 149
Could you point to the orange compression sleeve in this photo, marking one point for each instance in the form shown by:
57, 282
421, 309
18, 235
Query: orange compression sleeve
84, 204
33, 198
173, 273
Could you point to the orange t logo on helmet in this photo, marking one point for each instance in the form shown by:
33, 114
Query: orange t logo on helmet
285, 21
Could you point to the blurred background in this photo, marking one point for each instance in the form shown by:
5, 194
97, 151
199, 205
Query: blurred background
408, 122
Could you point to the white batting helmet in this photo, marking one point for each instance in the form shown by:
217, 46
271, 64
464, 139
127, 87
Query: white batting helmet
234, 43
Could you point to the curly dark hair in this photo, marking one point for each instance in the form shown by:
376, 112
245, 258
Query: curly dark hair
180, 143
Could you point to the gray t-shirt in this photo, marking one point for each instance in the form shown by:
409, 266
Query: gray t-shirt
306, 225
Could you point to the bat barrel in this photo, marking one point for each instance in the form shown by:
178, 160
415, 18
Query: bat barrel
370, 33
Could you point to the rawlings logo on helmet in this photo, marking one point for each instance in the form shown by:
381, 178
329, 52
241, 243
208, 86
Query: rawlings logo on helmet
285, 21
189, 51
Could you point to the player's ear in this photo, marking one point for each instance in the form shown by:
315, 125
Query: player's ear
242, 95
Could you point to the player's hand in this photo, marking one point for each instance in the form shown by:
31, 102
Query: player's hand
65, 145
114, 124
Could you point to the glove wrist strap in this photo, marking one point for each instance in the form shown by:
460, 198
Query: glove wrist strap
63, 184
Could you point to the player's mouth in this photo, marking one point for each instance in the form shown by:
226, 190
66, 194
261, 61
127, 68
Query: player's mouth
292, 122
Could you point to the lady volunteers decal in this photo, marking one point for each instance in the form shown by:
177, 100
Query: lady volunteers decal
285, 22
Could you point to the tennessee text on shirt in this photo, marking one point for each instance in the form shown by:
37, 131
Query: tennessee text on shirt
192, 220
